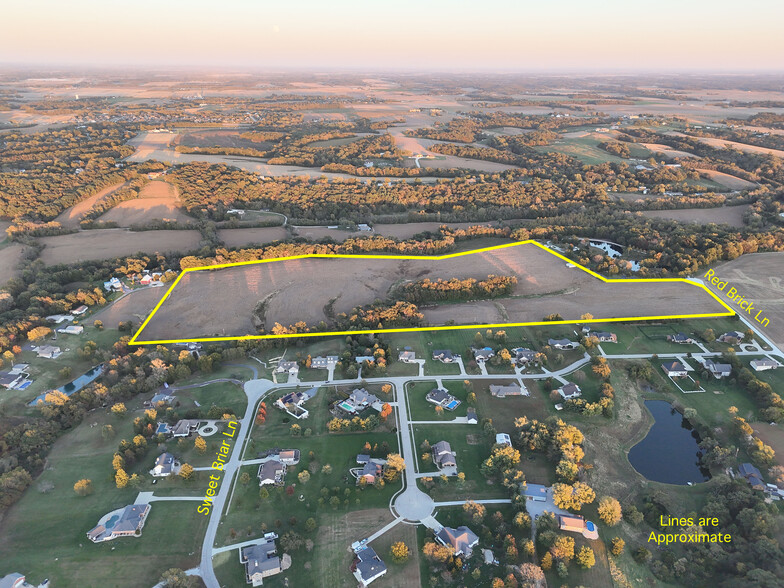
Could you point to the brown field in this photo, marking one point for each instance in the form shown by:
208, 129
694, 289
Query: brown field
772, 435
298, 290
9, 259
217, 138
730, 215
727, 180
332, 556
666, 151
721, 143
157, 200
72, 216
242, 237
108, 243
132, 307
759, 277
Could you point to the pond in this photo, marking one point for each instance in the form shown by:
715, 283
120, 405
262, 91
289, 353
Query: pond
670, 452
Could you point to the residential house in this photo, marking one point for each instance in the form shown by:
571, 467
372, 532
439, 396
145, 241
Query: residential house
502, 391
406, 356
13, 381
503, 439
523, 355
48, 351
569, 391
59, 318
146, 280
184, 428
358, 401
605, 337
719, 370
16, 580
753, 476
271, 472
371, 470
323, 363
365, 358
483, 354
680, 338
157, 399
289, 456
261, 560
79, 310
165, 465
292, 367
113, 285
72, 330
443, 355
760, 365
442, 398
123, 522
561, 344
731, 337
443, 456
462, 539
18, 368
471, 416
535, 492
571, 523
675, 369
368, 566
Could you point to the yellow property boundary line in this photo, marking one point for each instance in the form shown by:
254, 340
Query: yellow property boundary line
134, 340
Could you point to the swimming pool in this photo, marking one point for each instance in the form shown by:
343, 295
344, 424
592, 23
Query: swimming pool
346, 406
452, 405
110, 523
589, 525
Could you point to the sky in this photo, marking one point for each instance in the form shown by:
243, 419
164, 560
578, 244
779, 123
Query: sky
456, 35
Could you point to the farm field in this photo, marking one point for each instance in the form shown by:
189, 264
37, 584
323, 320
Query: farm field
133, 307
745, 147
758, 276
244, 237
109, 243
157, 200
10, 255
298, 290
397, 230
71, 217
727, 180
730, 215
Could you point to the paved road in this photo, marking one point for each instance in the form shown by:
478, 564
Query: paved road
255, 390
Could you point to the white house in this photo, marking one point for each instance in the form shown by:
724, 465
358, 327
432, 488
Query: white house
569, 391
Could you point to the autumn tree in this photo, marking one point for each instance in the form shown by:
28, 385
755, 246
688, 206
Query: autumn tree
83, 487
186, 471
610, 510
585, 557
399, 552
395, 465
303, 476
616, 546
563, 548
121, 478
200, 444
601, 368
475, 510
118, 409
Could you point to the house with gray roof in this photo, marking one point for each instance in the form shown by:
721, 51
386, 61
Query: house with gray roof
483, 354
719, 370
731, 337
443, 355
368, 566
442, 398
443, 456
569, 391
680, 338
123, 522
760, 365
261, 560
523, 355
406, 356
561, 344
675, 369
165, 465
271, 472
462, 539
323, 363
502, 391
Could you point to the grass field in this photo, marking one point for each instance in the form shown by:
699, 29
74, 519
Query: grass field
43, 535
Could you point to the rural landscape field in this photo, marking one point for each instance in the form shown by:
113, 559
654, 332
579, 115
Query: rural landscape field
433, 294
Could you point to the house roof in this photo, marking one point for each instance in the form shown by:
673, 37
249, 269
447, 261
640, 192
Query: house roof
534, 490
363, 458
471, 413
746, 470
755, 363
462, 539
674, 366
370, 565
165, 461
506, 390
269, 470
559, 342
571, 522
129, 520
570, 388
438, 395
361, 396
442, 353
407, 355
260, 558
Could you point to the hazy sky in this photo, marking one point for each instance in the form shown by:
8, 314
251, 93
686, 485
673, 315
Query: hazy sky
428, 34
